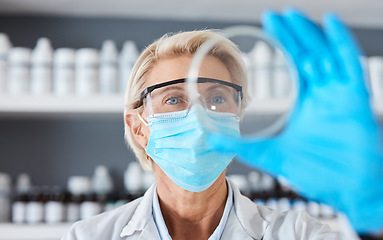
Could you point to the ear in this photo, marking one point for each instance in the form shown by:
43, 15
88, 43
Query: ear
139, 130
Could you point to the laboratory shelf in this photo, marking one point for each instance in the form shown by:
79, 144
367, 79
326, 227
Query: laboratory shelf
41, 231
50, 105
11, 231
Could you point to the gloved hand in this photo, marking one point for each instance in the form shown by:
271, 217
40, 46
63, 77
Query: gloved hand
331, 148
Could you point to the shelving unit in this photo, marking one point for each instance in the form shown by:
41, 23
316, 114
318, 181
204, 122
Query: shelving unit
107, 104
9, 231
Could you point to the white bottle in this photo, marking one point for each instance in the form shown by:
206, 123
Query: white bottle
54, 208
147, 180
102, 182
133, 178
281, 84
34, 212
87, 73
63, 71
375, 66
313, 209
41, 68
78, 187
23, 188
5, 201
262, 56
128, 57
108, 68
254, 179
241, 182
18, 70
5, 46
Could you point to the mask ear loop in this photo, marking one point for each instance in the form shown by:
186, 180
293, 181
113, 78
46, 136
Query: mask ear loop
142, 120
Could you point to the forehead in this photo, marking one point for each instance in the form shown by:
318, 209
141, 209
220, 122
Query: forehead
175, 68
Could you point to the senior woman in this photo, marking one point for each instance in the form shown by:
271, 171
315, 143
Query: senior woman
191, 198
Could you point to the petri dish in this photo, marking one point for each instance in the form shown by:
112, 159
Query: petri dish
269, 89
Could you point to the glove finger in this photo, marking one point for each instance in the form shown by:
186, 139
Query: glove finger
317, 57
254, 153
345, 47
276, 27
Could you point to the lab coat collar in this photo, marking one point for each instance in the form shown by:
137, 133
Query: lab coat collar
248, 214
248, 218
142, 217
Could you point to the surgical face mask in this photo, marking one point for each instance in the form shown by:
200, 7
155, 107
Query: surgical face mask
178, 146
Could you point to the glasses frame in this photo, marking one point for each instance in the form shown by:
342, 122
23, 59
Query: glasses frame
183, 80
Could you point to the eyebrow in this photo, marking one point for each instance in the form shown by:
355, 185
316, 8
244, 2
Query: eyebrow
169, 88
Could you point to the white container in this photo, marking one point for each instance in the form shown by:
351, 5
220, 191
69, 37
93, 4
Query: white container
34, 212
313, 209
262, 59
241, 182
41, 68
54, 207
128, 58
5, 46
102, 182
23, 187
19, 212
87, 73
77, 186
54, 212
5, 201
63, 71
89, 209
281, 85
375, 67
108, 68
133, 178
18, 71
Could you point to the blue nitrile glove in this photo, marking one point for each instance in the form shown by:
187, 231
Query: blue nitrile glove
331, 148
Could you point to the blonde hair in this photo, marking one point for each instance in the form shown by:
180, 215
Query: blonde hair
174, 45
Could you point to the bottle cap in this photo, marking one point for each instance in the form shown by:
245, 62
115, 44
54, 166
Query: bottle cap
64, 56
78, 185
109, 52
279, 59
262, 53
23, 183
5, 44
87, 57
129, 51
42, 53
19, 55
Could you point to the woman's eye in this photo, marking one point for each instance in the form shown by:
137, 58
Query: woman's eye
218, 100
172, 100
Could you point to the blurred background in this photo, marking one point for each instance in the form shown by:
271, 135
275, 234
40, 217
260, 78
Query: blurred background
61, 111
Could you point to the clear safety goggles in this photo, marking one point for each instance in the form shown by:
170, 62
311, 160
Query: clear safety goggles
216, 96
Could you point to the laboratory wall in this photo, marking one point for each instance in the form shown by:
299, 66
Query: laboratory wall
54, 148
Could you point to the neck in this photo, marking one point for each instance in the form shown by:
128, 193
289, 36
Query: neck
189, 214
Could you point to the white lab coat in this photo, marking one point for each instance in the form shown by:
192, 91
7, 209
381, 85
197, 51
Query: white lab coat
246, 221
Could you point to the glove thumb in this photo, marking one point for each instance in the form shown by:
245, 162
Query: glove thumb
249, 151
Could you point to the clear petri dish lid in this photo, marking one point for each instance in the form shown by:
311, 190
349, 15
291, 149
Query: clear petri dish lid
269, 87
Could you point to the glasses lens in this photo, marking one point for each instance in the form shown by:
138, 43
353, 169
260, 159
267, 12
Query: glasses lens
172, 101
220, 98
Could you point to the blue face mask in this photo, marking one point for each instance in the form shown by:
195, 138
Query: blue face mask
178, 146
